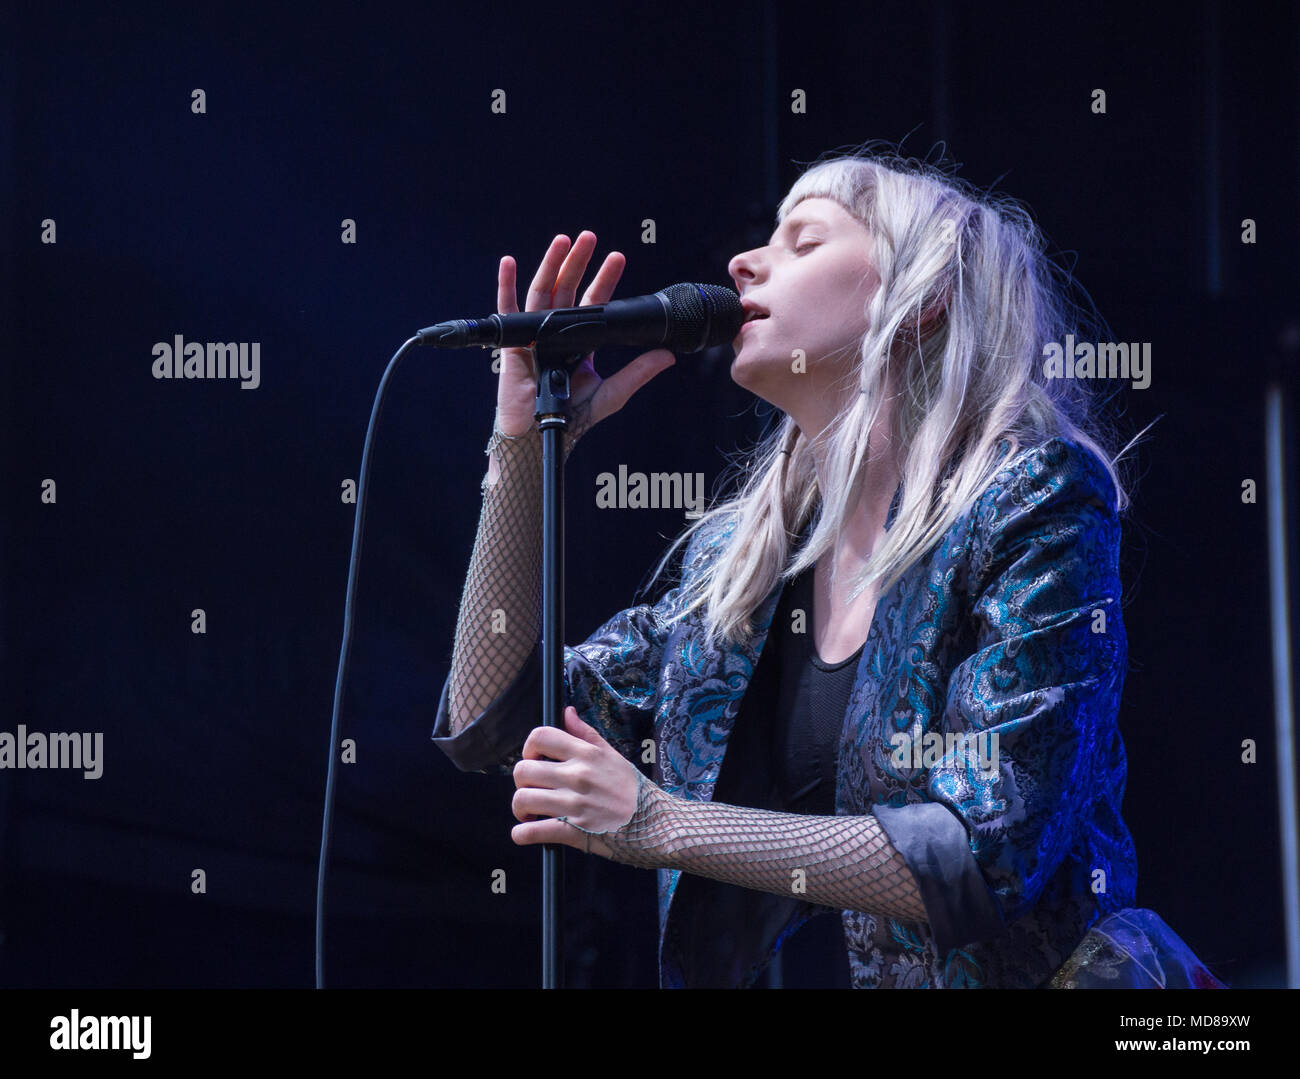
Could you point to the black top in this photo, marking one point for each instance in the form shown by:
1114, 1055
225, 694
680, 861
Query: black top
782, 750
810, 711
781, 755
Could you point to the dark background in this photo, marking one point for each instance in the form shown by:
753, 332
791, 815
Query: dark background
180, 494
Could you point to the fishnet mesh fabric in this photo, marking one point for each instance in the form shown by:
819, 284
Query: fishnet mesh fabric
847, 862
500, 619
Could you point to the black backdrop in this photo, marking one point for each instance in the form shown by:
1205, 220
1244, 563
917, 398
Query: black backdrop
226, 224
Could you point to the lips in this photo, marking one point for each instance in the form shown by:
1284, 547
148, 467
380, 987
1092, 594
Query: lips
748, 326
753, 313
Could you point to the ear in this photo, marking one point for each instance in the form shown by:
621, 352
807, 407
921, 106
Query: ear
935, 312
918, 327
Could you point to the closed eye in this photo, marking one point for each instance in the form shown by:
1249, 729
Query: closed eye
804, 247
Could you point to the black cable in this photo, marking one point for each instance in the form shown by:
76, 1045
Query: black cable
363, 485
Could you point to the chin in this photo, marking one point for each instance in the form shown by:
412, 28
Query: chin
758, 381
737, 371
744, 375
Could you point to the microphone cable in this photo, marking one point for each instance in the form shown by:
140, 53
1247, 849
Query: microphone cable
363, 486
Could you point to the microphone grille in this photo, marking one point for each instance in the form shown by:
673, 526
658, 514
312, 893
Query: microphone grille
701, 316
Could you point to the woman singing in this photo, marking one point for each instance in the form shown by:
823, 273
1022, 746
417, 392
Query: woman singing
887, 680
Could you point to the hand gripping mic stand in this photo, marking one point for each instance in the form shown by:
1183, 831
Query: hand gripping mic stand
696, 317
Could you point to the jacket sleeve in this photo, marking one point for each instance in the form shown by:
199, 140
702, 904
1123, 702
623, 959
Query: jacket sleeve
1041, 689
612, 679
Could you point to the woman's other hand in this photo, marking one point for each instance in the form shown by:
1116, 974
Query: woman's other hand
572, 773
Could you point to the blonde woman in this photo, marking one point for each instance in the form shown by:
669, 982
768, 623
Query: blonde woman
886, 681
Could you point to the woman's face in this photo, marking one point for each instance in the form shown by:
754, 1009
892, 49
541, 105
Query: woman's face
814, 281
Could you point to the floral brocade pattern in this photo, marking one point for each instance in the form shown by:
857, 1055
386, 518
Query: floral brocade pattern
1009, 626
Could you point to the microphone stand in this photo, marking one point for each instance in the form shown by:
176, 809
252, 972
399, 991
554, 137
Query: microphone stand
554, 361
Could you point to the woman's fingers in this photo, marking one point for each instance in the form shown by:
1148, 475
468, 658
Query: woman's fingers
557, 831
615, 391
556, 281
548, 831
571, 271
554, 286
573, 773
543, 284
553, 743
580, 729
543, 773
603, 284
531, 803
507, 300
558, 744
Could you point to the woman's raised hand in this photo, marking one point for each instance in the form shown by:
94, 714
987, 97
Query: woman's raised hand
555, 284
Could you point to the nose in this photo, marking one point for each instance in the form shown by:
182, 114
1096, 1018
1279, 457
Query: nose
744, 267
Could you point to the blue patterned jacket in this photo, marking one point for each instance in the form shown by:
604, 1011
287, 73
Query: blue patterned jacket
1010, 625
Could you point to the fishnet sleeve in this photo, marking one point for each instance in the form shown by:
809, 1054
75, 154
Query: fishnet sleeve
500, 619
846, 862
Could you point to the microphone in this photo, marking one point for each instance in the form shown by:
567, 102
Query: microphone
680, 318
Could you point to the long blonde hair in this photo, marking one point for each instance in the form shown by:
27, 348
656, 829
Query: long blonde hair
968, 298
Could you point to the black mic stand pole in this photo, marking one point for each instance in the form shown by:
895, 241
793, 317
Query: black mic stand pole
554, 361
